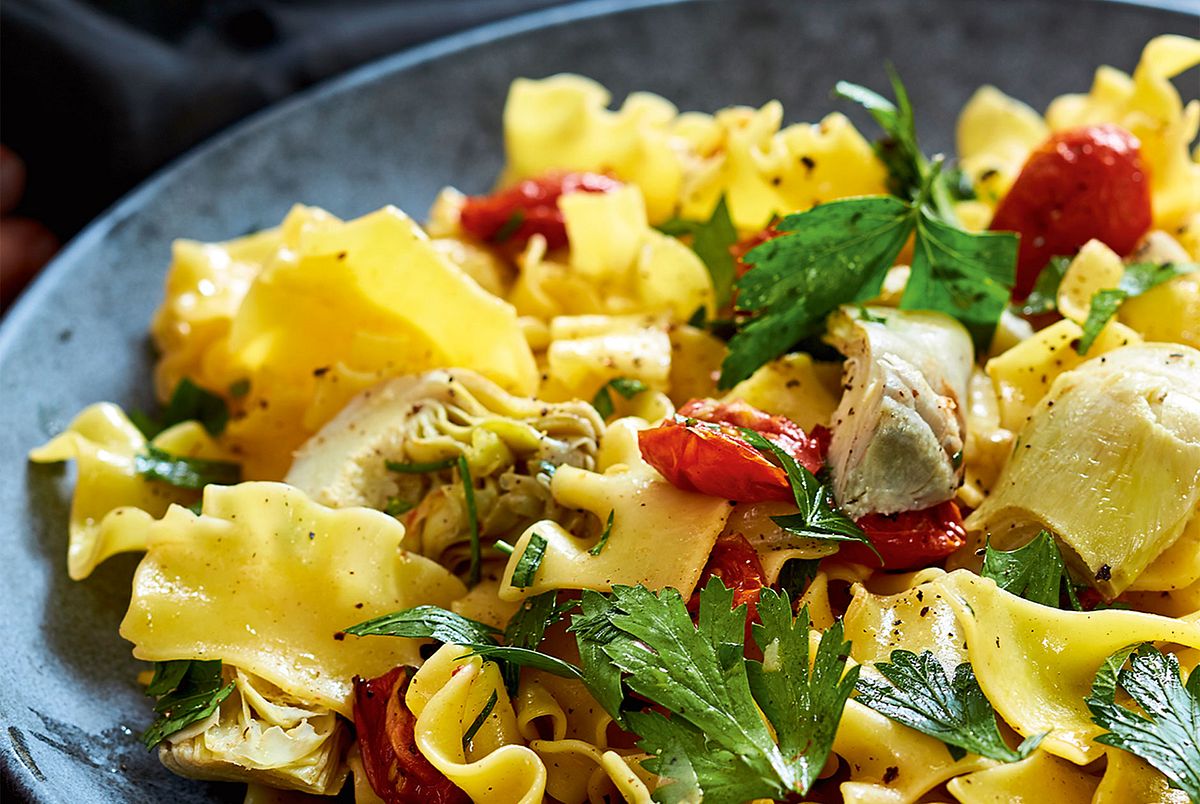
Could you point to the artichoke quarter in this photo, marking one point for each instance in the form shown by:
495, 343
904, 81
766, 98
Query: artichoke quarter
1109, 462
899, 431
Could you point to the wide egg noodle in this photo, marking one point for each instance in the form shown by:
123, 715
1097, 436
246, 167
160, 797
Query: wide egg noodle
446, 695
266, 580
795, 386
661, 535
588, 351
1036, 664
113, 505
1037, 778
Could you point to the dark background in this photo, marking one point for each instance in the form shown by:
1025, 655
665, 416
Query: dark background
96, 95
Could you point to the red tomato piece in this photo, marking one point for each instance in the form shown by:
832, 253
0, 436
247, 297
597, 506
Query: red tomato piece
1080, 184
735, 561
530, 207
909, 539
396, 769
702, 450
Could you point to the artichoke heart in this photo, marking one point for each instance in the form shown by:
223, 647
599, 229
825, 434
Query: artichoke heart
899, 430
262, 735
1109, 462
434, 418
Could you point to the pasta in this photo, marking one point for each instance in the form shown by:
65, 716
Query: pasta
706, 459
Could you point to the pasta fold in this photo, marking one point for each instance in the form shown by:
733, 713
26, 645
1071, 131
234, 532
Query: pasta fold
238, 583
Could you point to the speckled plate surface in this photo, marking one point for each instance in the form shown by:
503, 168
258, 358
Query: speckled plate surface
395, 132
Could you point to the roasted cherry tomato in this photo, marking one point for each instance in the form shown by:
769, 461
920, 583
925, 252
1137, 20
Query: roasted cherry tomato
735, 561
1080, 184
909, 539
396, 769
702, 449
528, 208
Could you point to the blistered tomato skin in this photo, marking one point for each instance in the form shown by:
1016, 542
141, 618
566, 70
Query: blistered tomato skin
910, 539
702, 450
1080, 184
529, 207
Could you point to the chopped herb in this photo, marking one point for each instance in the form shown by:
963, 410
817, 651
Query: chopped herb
918, 694
197, 507
239, 388
189, 402
397, 507
599, 548
528, 625
625, 386
504, 547
529, 562
428, 622
188, 691
510, 227
185, 473
819, 518
711, 240
1044, 296
1138, 278
1166, 733
421, 468
1036, 571
546, 468
478, 722
866, 315
526, 657
796, 575
468, 484
898, 150
699, 319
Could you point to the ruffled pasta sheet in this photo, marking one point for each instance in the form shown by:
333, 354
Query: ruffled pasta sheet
661, 535
1118, 439
261, 735
997, 133
1035, 664
281, 325
113, 505
1038, 778
616, 264
266, 579
571, 764
685, 162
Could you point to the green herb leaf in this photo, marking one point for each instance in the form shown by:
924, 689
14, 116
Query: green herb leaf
834, 253
479, 720
711, 240
475, 572
526, 657
239, 388
190, 692
1138, 278
397, 507
420, 468
1167, 732
528, 625
627, 387
819, 518
189, 402
1036, 571
428, 622
503, 547
592, 631
530, 560
185, 473
797, 575
967, 276
804, 708
608, 526
1044, 296
922, 697
898, 151
510, 227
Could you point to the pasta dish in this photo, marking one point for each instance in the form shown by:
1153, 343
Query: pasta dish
707, 458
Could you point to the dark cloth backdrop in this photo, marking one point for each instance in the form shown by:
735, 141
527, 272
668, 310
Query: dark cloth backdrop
97, 95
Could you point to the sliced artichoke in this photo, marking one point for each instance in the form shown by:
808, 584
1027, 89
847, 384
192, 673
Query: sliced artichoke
1109, 462
262, 735
899, 430
440, 415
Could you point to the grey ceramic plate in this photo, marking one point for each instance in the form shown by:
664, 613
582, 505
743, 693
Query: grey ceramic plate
395, 132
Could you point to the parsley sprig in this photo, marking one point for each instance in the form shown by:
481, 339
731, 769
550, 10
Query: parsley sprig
819, 517
1166, 733
627, 387
711, 240
918, 694
840, 252
1035, 572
